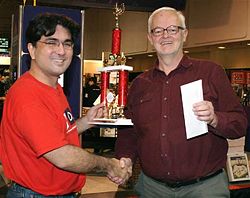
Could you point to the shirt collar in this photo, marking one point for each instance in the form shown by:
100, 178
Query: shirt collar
185, 62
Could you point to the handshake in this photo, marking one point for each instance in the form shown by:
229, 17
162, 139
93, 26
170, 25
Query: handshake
119, 171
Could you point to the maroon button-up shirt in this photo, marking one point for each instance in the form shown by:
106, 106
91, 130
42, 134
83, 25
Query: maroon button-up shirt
158, 136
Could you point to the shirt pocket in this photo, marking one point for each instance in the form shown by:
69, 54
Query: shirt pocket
143, 108
210, 94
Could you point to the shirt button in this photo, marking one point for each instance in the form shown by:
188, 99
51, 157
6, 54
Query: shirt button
165, 116
168, 173
163, 134
165, 98
167, 82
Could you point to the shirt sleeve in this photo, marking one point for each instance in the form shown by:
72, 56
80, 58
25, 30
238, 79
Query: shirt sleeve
232, 120
40, 128
126, 143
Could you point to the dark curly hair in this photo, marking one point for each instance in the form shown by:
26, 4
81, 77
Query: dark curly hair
45, 25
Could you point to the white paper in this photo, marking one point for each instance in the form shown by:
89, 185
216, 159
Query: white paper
192, 93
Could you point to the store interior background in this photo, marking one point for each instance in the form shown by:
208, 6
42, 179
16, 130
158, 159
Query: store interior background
211, 24
218, 31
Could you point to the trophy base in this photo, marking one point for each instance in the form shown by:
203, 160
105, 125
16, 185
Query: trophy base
113, 122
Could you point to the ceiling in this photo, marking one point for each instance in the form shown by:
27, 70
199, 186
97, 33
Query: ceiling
8, 7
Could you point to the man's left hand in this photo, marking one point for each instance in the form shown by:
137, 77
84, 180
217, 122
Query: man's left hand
204, 111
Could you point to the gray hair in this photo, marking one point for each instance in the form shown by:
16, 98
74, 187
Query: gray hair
179, 14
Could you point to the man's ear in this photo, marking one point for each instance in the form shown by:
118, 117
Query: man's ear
185, 35
150, 38
31, 50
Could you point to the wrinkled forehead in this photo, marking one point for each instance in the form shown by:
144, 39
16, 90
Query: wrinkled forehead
165, 19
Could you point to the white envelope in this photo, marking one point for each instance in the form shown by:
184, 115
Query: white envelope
192, 93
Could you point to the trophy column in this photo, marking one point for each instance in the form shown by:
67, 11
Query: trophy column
104, 86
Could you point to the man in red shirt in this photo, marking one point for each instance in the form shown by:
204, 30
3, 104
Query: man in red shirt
40, 149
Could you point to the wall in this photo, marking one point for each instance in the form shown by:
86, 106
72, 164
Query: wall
99, 24
91, 66
228, 58
233, 58
209, 22
212, 21
141, 62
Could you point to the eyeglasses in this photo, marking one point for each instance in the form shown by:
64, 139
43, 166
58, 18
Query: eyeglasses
171, 30
54, 43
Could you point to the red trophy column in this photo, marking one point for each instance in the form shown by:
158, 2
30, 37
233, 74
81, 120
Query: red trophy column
104, 85
123, 88
116, 41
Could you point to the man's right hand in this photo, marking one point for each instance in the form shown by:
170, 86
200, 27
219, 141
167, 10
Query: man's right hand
120, 171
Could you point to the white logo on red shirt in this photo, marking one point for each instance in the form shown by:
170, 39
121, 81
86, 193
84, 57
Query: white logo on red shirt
70, 121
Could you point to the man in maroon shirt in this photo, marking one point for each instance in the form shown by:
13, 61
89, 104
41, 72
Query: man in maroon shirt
172, 165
